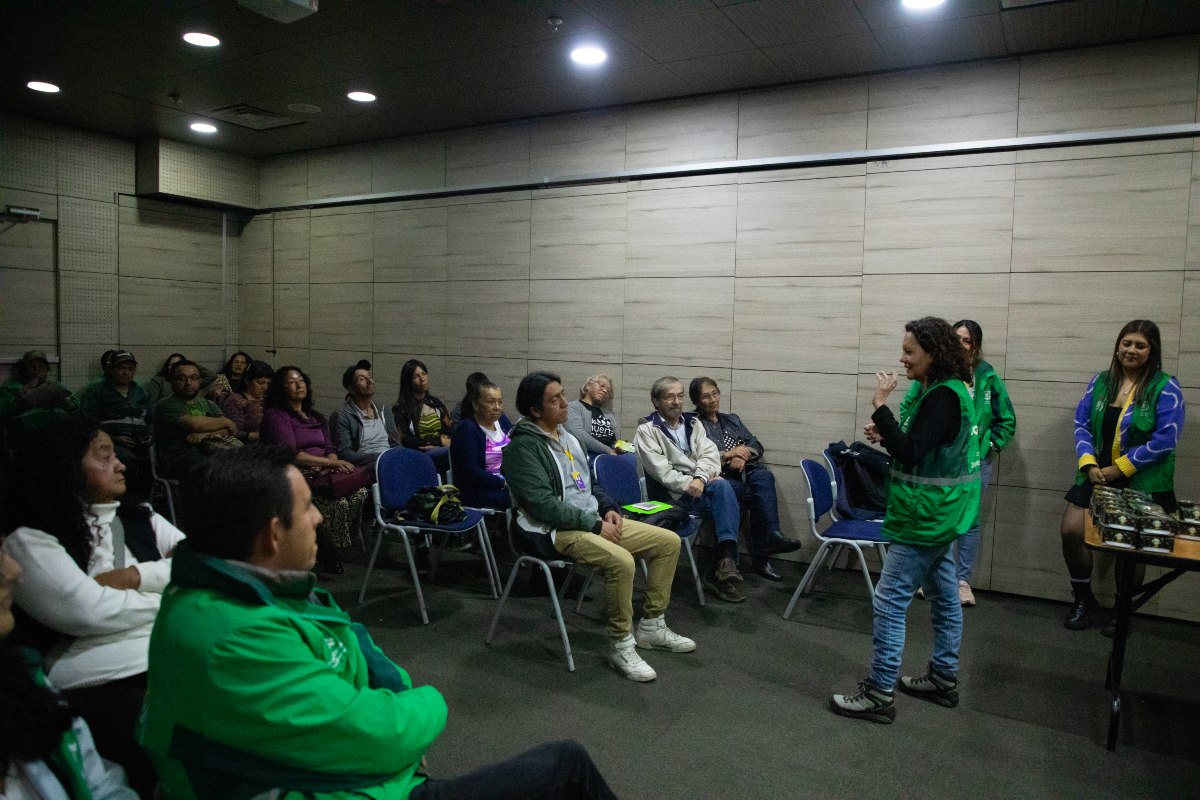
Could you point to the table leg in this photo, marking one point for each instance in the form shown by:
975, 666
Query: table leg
1125, 572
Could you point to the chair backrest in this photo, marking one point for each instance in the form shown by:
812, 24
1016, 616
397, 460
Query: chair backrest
839, 484
820, 492
618, 476
400, 472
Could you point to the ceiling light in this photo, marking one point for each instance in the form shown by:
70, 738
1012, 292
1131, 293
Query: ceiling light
203, 127
41, 86
921, 5
589, 55
361, 97
201, 39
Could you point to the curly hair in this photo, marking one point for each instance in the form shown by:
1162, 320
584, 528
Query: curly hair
49, 492
277, 396
938, 339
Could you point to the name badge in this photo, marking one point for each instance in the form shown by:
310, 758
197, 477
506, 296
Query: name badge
575, 476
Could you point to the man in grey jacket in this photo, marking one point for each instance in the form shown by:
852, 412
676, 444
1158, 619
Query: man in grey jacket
360, 429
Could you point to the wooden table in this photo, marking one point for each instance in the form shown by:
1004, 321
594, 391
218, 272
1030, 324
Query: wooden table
1185, 558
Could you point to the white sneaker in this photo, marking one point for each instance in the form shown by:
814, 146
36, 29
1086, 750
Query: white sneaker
653, 634
624, 659
965, 595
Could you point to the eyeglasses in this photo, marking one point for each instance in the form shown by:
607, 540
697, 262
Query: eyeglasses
713, 395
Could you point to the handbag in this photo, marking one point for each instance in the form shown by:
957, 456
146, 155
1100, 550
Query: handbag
437, 504
335, 485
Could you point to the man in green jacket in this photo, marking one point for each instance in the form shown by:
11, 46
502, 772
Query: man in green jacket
259, 685
560, 513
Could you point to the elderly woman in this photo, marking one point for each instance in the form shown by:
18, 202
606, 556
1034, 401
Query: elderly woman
742, 465
933, 498
245, 406
591, 422
230, 378
422, 420
94, 576
339, 488
476, 447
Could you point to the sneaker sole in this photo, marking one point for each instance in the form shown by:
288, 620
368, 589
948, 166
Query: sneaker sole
630, 677
665, 648
943, 699
882, 716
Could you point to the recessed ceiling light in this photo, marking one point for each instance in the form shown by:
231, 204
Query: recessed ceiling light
304, 108
589, 55
42, 86
201, 39
361, 97
203, 127
921, 5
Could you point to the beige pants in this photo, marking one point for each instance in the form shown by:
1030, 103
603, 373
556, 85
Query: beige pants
658, 546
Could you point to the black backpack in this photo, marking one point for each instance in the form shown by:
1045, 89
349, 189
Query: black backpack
864, 474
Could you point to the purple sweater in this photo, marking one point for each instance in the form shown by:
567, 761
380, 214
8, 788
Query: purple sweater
283, 427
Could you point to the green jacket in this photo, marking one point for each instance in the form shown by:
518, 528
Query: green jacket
260, 681
994, 410
936, 500
535, 481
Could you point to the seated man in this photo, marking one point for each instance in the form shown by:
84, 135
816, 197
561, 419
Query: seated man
260, 686
752, 482
677, 455
31, 401
360, 429
189, 427
126, 413
559, 513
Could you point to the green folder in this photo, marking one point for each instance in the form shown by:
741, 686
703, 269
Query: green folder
649, 507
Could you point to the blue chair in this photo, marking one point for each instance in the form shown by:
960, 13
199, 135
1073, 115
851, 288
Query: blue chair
544, 564
399, 474
852, 534
618, 474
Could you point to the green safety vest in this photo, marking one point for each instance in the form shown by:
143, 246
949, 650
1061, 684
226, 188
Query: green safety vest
1156, 477
936, 500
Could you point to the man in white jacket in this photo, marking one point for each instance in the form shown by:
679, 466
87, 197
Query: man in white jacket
677, 454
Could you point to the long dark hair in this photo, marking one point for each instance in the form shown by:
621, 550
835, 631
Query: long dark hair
277, 398
407, 406
237, 384
976, 339
936, 337
49, 492
33, 718
165, 370
1153, 364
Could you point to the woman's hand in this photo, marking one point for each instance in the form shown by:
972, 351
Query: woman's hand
885, 382
737, 463
1102, 476
871, 433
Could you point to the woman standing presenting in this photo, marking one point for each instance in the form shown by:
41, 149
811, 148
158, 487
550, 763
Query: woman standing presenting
933, 498
1126, 429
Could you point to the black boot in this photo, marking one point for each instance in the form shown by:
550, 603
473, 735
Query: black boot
1085, 607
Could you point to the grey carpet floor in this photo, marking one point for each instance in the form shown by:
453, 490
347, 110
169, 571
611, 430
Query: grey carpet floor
746, 716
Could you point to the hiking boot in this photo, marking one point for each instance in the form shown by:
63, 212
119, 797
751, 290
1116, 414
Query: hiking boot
869, 703
727, 570
1080, 617
653, 634
965, 595
933, 687
624, 659
727, 589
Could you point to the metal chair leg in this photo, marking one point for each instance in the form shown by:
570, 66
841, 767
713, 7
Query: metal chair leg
809, 576
687, 546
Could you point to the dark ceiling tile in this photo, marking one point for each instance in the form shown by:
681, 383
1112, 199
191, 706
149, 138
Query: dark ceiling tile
1073, 24
824, 58
883, 14
615, 13
355, 52
774, 22
705, 33
740, 70
961, 39
651, 82
525, 22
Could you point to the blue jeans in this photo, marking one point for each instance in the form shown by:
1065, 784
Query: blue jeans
718, 503
756, 493
904, 569
966, 548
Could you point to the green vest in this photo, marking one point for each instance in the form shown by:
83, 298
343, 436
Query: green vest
1156, 477
936, 500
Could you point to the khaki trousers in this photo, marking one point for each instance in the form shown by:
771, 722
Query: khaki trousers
658, 546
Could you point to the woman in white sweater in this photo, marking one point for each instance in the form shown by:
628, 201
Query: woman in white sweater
94, 576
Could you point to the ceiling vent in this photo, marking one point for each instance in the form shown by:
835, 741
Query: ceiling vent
256, 119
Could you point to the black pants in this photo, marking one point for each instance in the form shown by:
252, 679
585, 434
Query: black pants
550, 771
111, 710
